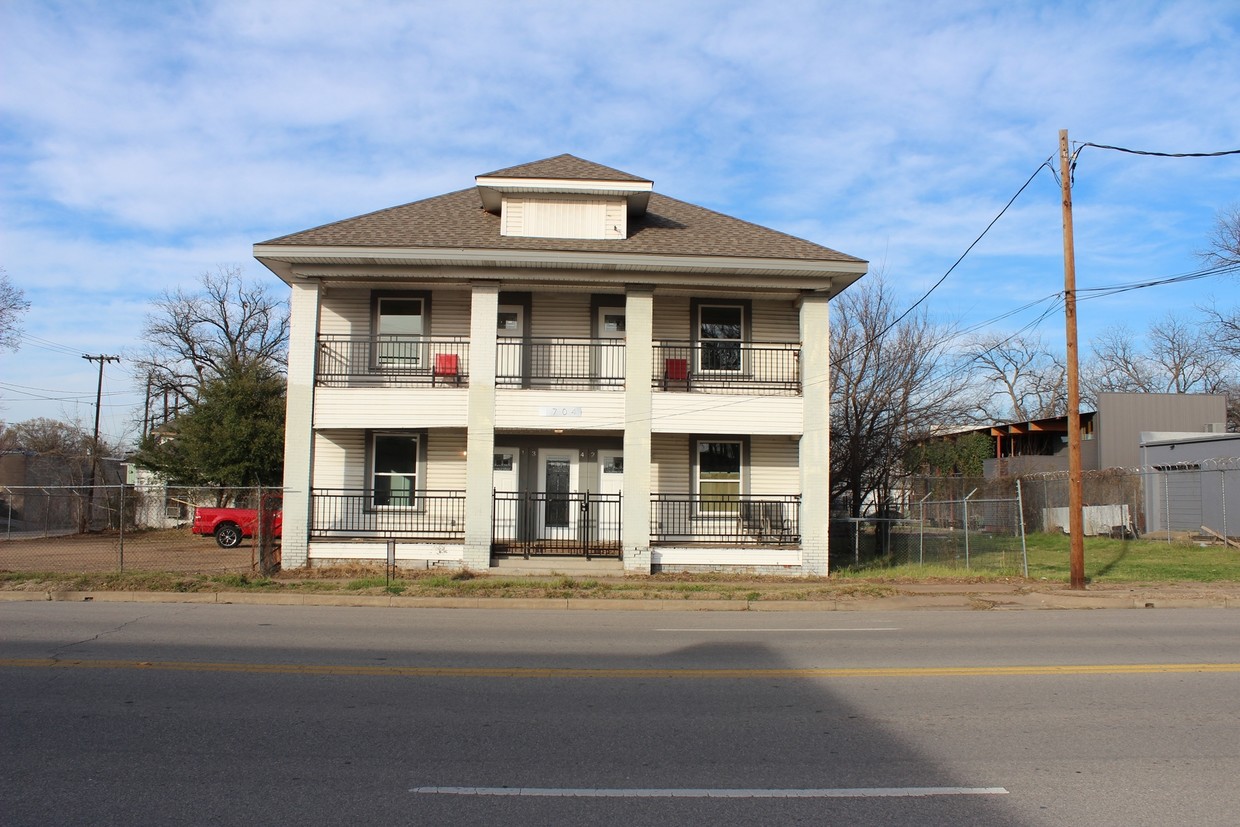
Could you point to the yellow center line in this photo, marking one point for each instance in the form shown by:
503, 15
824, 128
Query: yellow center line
629, 674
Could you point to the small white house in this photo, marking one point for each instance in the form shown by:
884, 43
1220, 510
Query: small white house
558, 360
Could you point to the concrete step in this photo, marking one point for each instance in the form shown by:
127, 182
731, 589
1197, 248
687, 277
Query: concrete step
569, 566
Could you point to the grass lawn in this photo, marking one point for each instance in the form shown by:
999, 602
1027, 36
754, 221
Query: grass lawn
1134, 561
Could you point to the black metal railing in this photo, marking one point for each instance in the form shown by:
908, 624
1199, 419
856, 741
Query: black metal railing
755, 367
423, 515
531, 523
392, 360
725, 519
560, 363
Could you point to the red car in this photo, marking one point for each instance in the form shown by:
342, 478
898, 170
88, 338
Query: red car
230, 525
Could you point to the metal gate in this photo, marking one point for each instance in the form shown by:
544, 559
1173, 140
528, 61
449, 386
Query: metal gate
567, 524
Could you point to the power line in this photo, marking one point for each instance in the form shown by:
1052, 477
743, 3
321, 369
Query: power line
1159, 154
1044, 165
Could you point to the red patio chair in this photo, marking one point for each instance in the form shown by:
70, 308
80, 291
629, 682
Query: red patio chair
675, 370
447, 366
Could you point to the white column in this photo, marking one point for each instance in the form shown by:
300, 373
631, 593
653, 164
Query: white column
299, 423
816, 434
638, 358
480, 440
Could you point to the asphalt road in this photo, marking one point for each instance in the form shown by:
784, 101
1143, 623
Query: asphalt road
119, 713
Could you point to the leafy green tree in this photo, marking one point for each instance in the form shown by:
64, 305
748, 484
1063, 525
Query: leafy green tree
232, 434
953, 455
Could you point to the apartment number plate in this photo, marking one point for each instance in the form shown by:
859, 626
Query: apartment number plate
560, 410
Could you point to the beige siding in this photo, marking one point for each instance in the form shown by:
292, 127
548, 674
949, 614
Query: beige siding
669, 463
513, 217
773, 465
560, 315
671, 318
346, 311
525, 409
415, 407
726, 414
616, 220
445, 465
339, 459
776, 321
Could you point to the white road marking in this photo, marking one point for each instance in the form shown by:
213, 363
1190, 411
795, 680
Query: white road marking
843, 792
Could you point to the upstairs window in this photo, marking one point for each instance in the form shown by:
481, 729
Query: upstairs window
720, 334
400, 325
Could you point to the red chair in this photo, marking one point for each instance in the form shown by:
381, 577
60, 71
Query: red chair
447, 366
675, 370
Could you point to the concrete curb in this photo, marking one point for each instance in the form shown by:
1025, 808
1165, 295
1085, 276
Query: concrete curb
988, 600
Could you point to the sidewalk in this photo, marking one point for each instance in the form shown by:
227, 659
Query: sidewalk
903, 597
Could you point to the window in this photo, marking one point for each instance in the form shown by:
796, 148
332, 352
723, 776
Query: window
718, 477
720, 333
395, 475
399, 326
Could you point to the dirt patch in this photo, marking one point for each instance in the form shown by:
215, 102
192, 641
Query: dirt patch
162, 550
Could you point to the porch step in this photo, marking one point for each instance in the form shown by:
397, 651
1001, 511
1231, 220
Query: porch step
546, 566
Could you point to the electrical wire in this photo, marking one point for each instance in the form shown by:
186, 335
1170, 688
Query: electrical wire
1044, 165
1159, 154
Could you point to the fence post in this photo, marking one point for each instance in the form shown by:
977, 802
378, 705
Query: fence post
966, 527
1020, 515
121, 528
1167, 503
1222, 486
921, 538
856, 542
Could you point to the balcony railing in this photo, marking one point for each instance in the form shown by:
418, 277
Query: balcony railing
392, 360
725, 519
767, 368
352, 513
560, 363
532, 523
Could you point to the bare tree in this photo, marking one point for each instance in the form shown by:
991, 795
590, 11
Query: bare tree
1017, 378
12, 305
227, 327
890, 380
1177, 357
1225, 240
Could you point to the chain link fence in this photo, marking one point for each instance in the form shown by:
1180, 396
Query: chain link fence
974, 531
1194, 499
125, 528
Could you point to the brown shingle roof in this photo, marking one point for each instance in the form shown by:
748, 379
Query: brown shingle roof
566, 167
457, 221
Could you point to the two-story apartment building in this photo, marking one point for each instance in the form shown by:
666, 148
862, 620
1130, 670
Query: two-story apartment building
557, 361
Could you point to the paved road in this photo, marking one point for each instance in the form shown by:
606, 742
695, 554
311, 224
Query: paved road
190, 714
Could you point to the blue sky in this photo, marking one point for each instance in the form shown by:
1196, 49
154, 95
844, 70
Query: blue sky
142, 144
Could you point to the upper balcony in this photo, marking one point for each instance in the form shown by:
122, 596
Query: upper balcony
746, 368
735, 367
560, 363
395, 361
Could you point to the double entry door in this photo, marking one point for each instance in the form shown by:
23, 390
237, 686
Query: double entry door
568, 503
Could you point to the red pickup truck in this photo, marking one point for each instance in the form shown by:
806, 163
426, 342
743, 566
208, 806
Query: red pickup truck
230, 525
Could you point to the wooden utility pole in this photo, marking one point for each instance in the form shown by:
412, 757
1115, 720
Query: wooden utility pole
1076, 522
94, 449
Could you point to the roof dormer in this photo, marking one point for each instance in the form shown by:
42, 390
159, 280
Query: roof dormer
564, 197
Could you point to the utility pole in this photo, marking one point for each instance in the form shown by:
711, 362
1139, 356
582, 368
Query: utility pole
94, 450
1076, 522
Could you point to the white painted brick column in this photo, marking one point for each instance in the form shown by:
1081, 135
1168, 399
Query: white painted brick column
816, 435
638, 357
299, 423
480, 440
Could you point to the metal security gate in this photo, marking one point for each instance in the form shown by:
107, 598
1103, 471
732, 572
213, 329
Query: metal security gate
555, 523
